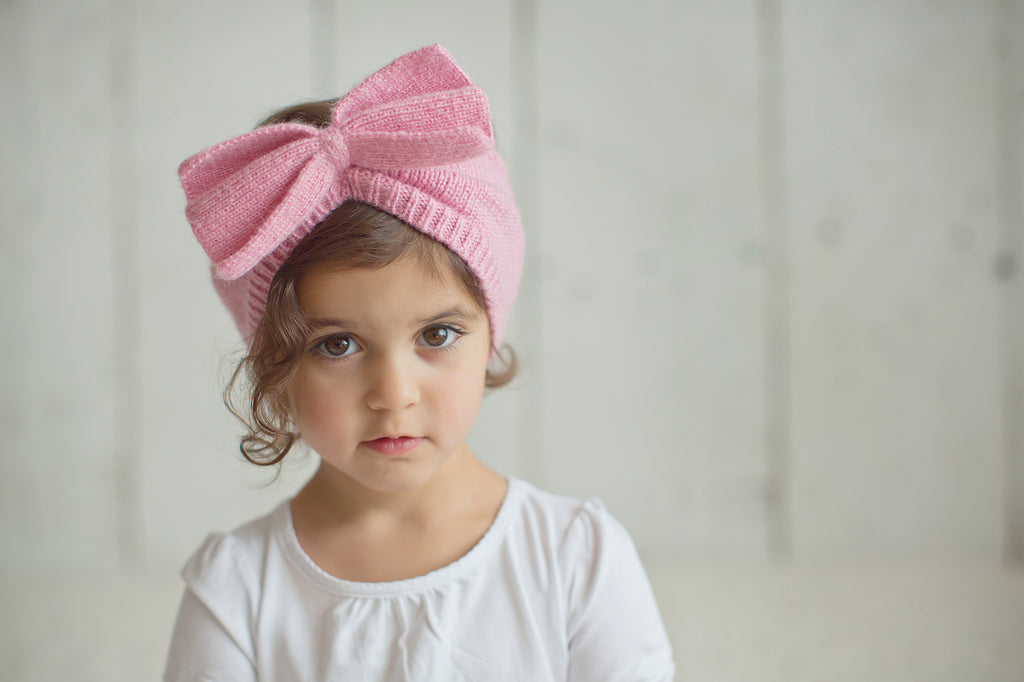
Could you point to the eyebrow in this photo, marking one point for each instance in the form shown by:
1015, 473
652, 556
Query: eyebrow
319, 322
455, 313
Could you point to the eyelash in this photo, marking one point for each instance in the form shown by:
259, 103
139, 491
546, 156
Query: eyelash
449, 345
319, 351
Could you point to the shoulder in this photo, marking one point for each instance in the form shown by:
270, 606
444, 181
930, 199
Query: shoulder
570, 524
577, 539
224, 584
247, 540
611, 618
227, 566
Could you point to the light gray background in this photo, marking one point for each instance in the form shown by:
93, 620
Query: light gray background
773, 312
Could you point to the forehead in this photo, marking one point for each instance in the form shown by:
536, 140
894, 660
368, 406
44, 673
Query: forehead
405, 289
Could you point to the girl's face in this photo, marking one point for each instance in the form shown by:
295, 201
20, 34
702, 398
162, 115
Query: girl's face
392, 378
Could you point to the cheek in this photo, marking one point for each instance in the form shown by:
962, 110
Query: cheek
462, 393
317, 405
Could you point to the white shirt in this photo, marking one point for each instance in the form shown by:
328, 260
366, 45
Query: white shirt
553, 591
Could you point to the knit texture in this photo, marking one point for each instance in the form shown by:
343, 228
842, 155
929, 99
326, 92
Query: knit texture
414, 140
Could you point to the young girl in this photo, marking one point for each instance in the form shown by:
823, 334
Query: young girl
370, 250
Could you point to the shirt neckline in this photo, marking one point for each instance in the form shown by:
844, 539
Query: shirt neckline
285, 532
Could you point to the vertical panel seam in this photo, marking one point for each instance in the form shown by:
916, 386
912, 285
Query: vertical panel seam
776, 312
126, 283
1007, 275
526, 116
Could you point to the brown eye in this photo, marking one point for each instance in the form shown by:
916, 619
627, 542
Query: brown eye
440, 337
337, 346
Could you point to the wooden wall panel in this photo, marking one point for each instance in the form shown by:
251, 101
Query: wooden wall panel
58, 498
651, 263
889, 113
1009, 31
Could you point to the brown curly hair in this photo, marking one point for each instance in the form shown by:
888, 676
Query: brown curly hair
354, 235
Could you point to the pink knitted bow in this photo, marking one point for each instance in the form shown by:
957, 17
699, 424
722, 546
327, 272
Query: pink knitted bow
247, 195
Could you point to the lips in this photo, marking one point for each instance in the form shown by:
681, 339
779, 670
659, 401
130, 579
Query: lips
393, 446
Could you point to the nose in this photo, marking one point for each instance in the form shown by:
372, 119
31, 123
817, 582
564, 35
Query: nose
393, 384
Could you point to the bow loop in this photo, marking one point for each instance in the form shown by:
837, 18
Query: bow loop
247, 195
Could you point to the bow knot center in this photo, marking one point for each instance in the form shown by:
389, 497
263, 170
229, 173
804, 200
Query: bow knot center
332, 142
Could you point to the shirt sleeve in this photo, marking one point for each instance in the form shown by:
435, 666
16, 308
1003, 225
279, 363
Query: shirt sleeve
615, 632
212, 638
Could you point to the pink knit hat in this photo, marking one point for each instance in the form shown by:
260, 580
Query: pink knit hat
414, 140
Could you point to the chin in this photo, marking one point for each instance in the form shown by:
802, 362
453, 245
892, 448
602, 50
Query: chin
396, 477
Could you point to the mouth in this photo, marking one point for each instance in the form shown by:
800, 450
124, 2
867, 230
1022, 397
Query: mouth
393, 446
